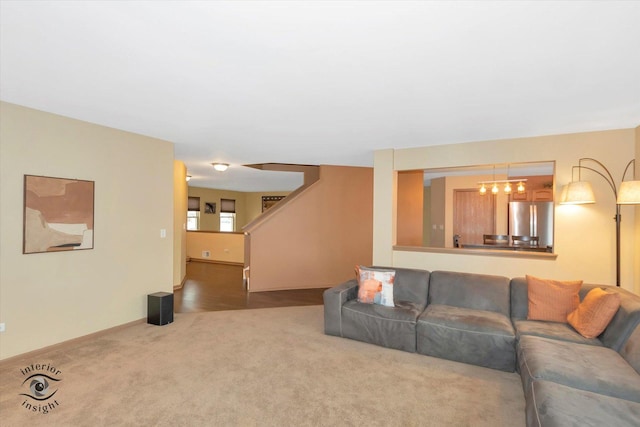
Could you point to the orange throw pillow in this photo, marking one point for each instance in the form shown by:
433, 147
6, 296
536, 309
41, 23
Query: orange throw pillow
552, 300
595, 312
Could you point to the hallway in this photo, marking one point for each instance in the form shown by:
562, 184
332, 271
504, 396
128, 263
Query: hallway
217, 287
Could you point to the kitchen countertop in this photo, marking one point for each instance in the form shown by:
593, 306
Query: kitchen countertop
506, 247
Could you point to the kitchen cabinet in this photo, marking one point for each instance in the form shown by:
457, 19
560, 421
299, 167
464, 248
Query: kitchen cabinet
533, 195
543, 195
520, 197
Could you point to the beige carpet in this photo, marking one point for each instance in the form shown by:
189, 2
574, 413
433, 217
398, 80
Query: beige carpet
265, 367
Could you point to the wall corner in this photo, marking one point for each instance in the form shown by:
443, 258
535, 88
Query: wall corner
384, 207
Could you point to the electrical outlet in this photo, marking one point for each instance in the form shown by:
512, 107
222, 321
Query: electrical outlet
3, 327
206, 254
226, 251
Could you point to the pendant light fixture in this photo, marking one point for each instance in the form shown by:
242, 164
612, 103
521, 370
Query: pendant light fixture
495, 189
507, 185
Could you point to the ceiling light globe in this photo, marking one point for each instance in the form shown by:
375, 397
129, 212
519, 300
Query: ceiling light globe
220, 167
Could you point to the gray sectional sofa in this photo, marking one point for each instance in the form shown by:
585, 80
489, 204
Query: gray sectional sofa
568, 380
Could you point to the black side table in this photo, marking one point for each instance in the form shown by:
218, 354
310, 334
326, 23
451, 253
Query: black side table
160, 308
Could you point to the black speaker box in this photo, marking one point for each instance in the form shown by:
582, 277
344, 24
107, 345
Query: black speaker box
160, 308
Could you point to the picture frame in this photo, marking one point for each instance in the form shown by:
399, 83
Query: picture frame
209, 207
269, 201
58, 214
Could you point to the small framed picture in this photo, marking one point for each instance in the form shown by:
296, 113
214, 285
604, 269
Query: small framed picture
209, 208
269, 201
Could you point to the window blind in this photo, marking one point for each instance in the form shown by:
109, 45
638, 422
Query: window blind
193, 204
227, 205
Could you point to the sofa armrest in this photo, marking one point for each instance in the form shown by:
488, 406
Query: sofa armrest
334, 299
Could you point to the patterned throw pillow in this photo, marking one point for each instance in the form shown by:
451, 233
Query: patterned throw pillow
594, 313
552, 300
375, 285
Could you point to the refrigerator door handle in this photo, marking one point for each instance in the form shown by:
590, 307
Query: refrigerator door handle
534, 220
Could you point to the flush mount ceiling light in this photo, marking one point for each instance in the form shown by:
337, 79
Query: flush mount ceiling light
220, 167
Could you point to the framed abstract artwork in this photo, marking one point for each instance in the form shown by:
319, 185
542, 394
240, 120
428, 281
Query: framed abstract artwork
58, 214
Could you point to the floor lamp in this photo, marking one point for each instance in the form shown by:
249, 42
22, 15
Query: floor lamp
580, 192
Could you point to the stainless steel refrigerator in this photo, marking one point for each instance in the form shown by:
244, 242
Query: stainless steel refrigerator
532, 219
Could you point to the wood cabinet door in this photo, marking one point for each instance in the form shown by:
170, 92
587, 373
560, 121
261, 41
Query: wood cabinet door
520, 197
473, 215
544, 195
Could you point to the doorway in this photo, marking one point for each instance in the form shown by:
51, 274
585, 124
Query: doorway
473, 215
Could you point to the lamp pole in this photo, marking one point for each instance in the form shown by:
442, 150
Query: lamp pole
618, 217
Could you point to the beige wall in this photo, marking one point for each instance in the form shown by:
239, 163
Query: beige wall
248, 205
222, 247
47, 298
584, 235
426, 219
410, 203
179, 222
317, 238
384, 202
438, 212
637, 212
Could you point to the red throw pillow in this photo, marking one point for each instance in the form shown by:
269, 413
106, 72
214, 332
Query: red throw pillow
594, 313
552, 300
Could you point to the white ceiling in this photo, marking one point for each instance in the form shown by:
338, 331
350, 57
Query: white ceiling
322, 82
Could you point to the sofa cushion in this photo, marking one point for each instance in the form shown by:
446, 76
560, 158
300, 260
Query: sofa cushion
631, 350
594, 312
392, 327
519, 298
551, 300
555, 330
479, 337
550, 404
410, 285
586, 367
473, 291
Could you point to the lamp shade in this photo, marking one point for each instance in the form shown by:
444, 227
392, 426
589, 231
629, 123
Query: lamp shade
577, 193
629, 193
